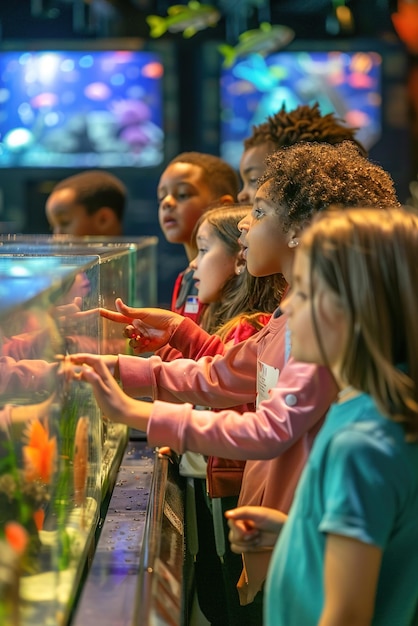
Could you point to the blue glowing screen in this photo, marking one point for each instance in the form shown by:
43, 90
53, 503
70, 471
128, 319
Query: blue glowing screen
346, 83
81, 109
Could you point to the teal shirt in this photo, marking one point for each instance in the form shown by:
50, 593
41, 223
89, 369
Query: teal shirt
360, 481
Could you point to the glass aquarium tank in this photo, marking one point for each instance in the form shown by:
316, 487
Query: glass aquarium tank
58, 456
142, 254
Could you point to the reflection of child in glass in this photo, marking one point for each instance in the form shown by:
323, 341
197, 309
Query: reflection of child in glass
38, 332
292, 397
353, 522
80, 288
89, 203
188, 186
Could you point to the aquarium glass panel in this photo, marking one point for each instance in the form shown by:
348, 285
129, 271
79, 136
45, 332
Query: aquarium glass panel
50, 440
58, 457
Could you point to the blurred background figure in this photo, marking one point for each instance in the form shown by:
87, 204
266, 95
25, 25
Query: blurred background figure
89, 203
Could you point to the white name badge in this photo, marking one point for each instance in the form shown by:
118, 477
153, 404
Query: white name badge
267, 378
192, 305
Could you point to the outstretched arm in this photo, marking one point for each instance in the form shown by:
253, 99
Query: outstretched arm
114, 403
147, 328
150, 329
267, 433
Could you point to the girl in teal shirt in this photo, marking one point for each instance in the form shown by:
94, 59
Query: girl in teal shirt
348, 552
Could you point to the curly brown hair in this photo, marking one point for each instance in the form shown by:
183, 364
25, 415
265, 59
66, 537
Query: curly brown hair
309, 177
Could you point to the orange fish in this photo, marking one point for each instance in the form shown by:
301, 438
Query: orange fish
38, 517
81, 450
39, 455
16, 536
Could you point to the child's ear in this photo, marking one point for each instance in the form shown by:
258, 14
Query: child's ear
239, 263
227, 199
296, 232
104, 220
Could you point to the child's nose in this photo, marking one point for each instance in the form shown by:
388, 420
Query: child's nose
285, 304
168, 202
193, 263
244, 224
243, 196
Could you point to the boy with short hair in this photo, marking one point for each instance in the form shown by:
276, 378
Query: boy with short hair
89, 203
190, 184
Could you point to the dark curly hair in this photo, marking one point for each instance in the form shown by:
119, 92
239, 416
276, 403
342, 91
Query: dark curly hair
95, 189
217, 173
305, 123
309, 177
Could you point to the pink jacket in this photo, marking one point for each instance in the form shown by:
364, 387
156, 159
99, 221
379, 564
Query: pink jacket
275, 439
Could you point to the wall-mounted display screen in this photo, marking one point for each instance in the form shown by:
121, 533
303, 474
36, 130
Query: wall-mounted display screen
346, 83
81, 108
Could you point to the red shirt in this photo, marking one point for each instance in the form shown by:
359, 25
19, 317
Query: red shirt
184, 299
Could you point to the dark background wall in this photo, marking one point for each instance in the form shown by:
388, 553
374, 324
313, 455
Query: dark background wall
191, 92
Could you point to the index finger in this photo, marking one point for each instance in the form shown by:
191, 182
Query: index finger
124, 309
115, 316
83, 357
83, 314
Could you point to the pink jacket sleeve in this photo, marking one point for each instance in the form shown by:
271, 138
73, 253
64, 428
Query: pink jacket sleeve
204, 344
194, 342
181, 345
217, 381
294, 407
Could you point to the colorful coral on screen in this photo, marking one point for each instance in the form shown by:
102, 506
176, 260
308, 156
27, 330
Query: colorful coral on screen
68, 108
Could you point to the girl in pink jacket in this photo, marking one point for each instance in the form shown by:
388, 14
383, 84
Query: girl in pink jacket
237, 305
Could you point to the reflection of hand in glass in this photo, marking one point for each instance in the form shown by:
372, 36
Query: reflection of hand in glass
66, 315
81, 286
69, 306
29, 412
28, 375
